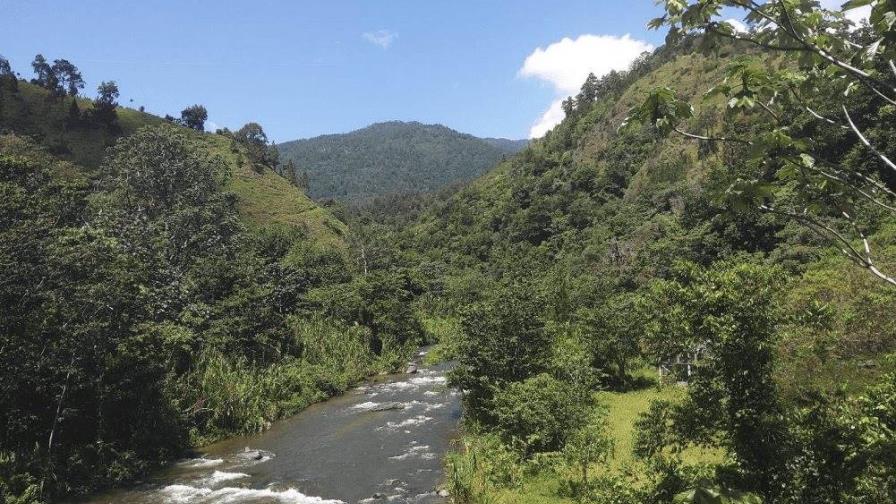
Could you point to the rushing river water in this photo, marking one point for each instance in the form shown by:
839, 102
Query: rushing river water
381, 442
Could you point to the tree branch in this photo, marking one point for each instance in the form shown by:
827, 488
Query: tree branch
865, 141
866, 79
711, 139
765, 45
848, 249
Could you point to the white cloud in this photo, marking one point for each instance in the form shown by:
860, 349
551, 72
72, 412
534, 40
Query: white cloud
854, 15
738, 26
211, 126
548, 120
382, 38
566, 64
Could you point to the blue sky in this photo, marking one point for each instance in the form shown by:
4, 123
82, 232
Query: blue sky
303, 68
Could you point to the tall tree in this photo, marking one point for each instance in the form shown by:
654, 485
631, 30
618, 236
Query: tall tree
289, 171
68, 77
589, 90
43, 73
5, 68
105, 102
252, 135
194, 117
569, 106
8, 80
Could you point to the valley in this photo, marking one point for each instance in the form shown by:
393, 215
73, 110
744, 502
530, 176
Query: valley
682, 292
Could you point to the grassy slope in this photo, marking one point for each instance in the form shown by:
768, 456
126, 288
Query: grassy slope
266, 199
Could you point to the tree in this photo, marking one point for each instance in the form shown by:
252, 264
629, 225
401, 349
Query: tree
569, 106
840, 84
194, 117
154, 171
732, 396
68, 76
8, 80
43, 73
289, 172
5, 68
589, 445
105, 103
504, 341
589, 92
540, 413
252, 136
613, 331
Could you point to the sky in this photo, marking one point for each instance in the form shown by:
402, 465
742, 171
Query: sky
493, 68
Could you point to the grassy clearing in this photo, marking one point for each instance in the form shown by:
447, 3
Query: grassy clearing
623, 410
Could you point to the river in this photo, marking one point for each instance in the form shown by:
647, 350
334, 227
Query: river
380, 442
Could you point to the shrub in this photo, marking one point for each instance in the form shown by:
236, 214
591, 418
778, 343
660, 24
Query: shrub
503, 341
540, 413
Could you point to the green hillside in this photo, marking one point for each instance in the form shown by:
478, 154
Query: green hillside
507, 145
391, 157
163, 288
613, 235
266, 199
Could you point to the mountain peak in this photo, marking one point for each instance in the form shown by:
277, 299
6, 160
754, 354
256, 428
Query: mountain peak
393, 157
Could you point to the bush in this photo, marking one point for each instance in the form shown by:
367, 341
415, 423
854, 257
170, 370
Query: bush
539, 414
504, 341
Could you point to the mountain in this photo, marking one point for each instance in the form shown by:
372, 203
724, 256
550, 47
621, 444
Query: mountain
619, 207
391, 157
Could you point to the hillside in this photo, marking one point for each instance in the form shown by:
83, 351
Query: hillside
589, 250
597, 208
507, 145
265, 198
169, 284
391, 157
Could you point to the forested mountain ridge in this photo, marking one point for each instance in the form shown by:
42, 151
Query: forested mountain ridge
391, 157
507, 145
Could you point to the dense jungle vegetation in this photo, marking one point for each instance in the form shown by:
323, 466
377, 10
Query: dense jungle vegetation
744, 231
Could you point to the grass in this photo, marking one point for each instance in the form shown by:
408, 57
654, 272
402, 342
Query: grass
440, 332
267, 199
623, 410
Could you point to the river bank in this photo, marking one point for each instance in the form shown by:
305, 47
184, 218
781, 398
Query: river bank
380, 442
